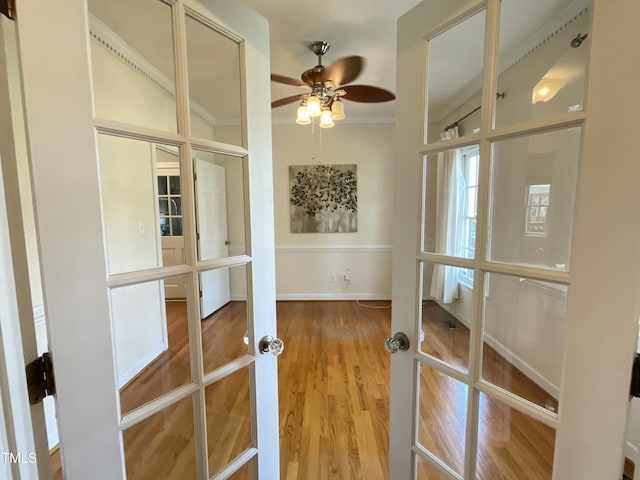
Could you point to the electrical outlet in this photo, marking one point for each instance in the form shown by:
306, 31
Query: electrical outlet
333, 278
347, 276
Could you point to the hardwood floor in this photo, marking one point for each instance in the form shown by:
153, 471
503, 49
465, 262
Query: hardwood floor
334, 400
334, 391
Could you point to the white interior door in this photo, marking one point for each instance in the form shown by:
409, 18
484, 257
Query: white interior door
211, 219
521, 232
98, 96
170, 213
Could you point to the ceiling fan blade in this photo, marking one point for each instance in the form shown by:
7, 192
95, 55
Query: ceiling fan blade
344, 70
287, 80
367, 94
285, 101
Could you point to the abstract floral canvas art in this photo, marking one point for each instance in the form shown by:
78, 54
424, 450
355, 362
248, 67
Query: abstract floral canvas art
323, 198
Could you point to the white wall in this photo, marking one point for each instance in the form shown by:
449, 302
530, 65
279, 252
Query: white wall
305, 261
525, 321
632, 446
138, 319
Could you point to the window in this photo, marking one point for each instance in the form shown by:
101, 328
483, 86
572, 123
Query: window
537, 210
170, 205
469, 211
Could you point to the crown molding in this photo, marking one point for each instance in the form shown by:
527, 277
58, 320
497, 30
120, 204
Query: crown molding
565, 17
347, 122
120, 49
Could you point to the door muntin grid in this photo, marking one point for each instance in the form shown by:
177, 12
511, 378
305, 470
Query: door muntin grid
133, 129
485, 262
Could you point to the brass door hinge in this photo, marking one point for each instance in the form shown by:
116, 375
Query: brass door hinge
41, 381
8, 8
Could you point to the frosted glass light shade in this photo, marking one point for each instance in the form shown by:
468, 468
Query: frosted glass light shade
337, 110
325, 119
313, 106
303, 115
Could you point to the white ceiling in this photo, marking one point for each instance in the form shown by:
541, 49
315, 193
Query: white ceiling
353, 27
368, 28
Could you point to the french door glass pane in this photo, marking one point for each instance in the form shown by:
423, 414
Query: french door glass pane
131, 206
174, 182
450, 203
220, 205
162, 446
524, 333
162, 185
533, 180
214, 84
176, 226
512, 444
245, 472
164, 205
225, 330
228, 405
442, 417
133, 67
447, 313
426, 471
151, 339
542, 62
455, 60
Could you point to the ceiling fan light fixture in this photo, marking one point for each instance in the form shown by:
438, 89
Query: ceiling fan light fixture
325, 119
313, 106
337, 110
303, 115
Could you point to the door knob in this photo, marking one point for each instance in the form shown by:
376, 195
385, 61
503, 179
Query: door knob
398, 342
271, 345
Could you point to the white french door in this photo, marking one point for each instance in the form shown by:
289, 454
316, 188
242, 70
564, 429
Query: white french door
104, 84
529, 264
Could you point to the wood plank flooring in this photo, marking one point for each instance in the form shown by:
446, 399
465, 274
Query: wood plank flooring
334, 400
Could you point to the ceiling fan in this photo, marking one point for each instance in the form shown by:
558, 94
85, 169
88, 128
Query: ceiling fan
328, 84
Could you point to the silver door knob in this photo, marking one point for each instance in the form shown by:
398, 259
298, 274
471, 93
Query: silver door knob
271, 345
398, 342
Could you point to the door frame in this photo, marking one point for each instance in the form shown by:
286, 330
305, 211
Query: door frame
61, 128
600, 335
24, 425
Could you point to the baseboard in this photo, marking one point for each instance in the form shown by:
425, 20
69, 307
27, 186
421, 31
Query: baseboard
524, 367
631, 452
332, 296
516, 361
141, 364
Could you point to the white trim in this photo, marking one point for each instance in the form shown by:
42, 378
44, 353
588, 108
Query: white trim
513, 359
332, 296
120, 49
348, 122
553, 27
333, 248
523, 366
141, 364
631, 452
